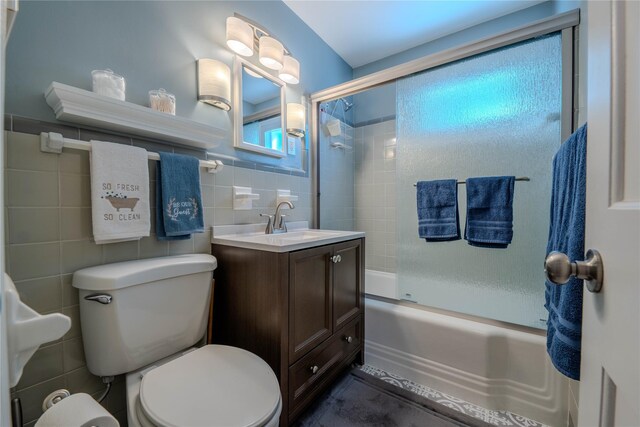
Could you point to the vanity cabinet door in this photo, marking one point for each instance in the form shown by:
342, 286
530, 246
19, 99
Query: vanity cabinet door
347, 282
310, 296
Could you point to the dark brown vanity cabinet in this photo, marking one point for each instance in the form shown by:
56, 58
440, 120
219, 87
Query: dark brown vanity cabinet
301, 311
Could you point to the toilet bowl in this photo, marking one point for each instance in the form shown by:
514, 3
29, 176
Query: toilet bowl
142, 318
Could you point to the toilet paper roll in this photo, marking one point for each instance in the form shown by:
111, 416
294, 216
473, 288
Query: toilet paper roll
77, 410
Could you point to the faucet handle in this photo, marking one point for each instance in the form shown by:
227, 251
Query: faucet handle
282, 225
270, 221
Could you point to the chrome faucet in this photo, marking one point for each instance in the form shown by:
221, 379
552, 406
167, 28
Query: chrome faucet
281, 226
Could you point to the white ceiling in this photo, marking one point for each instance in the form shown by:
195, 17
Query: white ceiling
362, 31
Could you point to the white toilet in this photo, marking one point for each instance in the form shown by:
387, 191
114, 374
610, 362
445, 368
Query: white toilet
143, 318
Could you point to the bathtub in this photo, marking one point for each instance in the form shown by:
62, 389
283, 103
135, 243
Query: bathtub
486, 363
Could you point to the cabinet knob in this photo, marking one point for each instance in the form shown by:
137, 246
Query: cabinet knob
348, 339
314, 369
339, 258
334, 259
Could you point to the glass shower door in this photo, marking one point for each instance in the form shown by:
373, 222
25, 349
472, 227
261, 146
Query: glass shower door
498, 113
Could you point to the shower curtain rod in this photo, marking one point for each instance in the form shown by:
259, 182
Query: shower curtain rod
520, 178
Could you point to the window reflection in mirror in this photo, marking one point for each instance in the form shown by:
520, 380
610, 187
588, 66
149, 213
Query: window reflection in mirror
261, 113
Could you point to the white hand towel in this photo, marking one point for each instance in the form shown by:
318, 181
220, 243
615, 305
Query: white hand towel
119, 192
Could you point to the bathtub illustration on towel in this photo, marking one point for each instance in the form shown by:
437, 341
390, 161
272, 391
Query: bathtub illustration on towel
119, 201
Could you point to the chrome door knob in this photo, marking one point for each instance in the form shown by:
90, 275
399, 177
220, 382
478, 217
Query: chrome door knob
348, 339
314, 369
559, 269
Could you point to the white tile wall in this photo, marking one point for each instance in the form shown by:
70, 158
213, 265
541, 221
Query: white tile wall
375, 192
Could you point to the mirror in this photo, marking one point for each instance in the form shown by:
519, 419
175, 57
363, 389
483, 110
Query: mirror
259, 105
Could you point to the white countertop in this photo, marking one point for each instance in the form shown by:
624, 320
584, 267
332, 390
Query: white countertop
299, 236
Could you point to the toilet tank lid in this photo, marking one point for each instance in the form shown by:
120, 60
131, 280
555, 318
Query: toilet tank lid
119, 275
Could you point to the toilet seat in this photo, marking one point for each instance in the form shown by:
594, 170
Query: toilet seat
214, 386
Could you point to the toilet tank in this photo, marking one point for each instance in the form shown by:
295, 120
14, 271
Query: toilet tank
137, 312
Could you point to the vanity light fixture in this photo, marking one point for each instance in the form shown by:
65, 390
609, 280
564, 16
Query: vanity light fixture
295, 119
214, 86
271, 53
239, 36
290, 72
245, 36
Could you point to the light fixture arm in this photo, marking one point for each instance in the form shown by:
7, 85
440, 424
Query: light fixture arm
259, 31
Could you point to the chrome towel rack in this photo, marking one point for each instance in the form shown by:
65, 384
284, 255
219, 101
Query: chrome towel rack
520, 178
52, 142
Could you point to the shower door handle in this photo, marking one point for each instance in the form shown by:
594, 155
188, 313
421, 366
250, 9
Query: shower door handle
559, 269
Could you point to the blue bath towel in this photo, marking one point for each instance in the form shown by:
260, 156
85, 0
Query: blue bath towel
178, 197
489, 211
437, 203
566, 235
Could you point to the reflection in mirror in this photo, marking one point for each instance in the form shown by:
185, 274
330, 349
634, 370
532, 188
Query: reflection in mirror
259, 118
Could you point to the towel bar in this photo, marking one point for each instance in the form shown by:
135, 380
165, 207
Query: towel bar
520, 178
52, 142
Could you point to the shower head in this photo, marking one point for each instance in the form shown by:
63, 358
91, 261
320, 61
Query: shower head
347, 105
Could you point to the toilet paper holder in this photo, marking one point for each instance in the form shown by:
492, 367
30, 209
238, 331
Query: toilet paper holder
53, 398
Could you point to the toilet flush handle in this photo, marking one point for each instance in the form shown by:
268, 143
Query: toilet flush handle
101, 298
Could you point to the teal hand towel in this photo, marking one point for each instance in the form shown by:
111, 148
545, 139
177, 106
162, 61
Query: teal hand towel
179, 199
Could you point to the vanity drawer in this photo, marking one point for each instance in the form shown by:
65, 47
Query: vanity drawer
306, 377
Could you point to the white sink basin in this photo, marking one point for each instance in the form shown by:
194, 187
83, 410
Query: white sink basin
285, 242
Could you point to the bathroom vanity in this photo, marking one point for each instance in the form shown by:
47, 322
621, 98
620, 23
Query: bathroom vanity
297, 301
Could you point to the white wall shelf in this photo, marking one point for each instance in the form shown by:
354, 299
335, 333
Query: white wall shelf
75, 105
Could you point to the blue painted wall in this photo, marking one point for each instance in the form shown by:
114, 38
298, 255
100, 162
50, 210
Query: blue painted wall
153, 44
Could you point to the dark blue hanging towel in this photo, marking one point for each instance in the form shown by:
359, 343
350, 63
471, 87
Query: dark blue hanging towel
566, 234
437, 203
490, 211
178, 197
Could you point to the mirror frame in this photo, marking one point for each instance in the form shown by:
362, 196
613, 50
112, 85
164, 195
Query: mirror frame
238, 122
